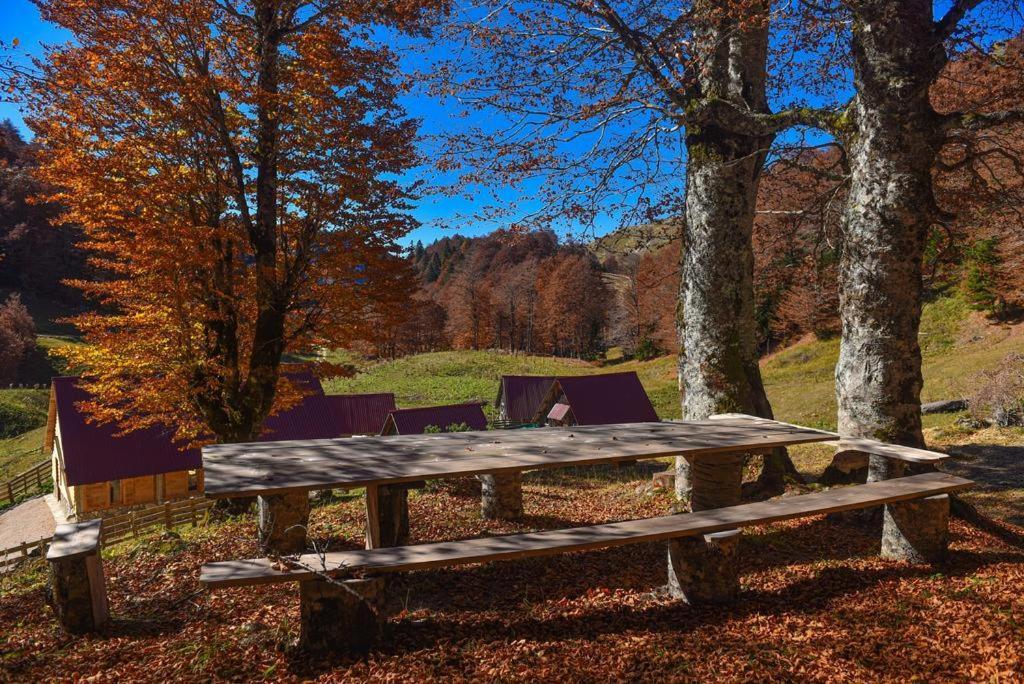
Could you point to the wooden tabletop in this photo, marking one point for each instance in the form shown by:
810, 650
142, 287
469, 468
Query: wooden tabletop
232, 470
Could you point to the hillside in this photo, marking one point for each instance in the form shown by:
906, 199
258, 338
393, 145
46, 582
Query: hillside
648, 237
956, 344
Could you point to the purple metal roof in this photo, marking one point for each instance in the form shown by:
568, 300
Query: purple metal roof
521, 395
94, 453
607, 398
415, 420
360, 414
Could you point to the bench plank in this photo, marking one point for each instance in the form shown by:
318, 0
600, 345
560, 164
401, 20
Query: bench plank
276, 467
444, 554
895, 451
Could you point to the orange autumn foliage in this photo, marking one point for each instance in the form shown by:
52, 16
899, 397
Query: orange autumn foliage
232, 166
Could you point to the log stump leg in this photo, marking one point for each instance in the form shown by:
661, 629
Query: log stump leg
916, 531
501, 496
339, 616
78, 593
704, 568
716, 481
283, 519
393, 515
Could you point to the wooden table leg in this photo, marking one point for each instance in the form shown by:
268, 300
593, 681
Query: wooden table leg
372, 517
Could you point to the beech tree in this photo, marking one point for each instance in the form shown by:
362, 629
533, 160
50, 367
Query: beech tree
893, 137
609, 105
231, 163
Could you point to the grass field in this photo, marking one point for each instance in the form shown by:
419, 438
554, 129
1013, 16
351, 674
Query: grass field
799, 379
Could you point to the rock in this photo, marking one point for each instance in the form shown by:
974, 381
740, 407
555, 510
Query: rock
664, 481
947, 406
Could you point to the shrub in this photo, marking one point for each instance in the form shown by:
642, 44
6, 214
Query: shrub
17, 337
1000, 394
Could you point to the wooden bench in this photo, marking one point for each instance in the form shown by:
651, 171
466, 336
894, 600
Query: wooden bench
78, 590
337, 598
853, 456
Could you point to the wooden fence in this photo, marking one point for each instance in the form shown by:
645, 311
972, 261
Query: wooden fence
132, 524
33, 479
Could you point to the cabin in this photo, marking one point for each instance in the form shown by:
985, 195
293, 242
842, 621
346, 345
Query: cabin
360, 414
95, 469
416, 421
603, 399
518, 398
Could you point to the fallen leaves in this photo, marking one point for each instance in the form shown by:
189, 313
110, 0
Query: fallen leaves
817, 605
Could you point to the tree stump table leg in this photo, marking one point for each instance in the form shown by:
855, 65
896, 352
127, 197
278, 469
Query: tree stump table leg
78, 593
283, 519
501, 496
716, 481
393, 515
704, 568
338, 615
916, 531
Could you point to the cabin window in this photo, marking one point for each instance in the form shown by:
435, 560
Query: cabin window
193, 480
115, 491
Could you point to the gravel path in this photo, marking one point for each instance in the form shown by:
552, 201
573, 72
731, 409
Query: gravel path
27, 521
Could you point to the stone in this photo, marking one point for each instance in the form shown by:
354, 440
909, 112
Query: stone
501, 496
336, 616
283, 519
704, 568
393, 513
916, 531
78, 593
664, 481
947, 406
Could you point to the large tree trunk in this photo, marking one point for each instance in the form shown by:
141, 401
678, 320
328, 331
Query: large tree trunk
895, 138
718, 360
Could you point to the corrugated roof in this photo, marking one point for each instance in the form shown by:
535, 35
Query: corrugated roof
94, 453
603, 399
415, 420
360, 414
522, 394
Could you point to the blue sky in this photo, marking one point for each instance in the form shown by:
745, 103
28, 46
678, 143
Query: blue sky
20, 20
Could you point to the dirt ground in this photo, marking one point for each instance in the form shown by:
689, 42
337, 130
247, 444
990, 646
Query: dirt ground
26, 522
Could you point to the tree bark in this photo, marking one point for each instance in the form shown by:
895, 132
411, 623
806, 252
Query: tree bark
718, 360
895, 137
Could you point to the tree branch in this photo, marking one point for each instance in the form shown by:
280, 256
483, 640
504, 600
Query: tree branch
945, 26
732, 117
976, 121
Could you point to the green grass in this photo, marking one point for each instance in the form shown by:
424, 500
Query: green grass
799, 380
450, 377
18, 454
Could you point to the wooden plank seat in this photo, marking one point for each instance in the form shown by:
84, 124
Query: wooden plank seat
921, 531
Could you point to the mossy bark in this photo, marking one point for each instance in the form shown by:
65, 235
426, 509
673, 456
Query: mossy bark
718, 359
896, 135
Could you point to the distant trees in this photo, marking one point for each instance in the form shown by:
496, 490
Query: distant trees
232, 165
517, 291
36, 253
17, 337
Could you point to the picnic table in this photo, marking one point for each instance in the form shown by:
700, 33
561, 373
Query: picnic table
283, 473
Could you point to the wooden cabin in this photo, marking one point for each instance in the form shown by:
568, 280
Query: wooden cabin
518, 398
603, 399
95, 469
